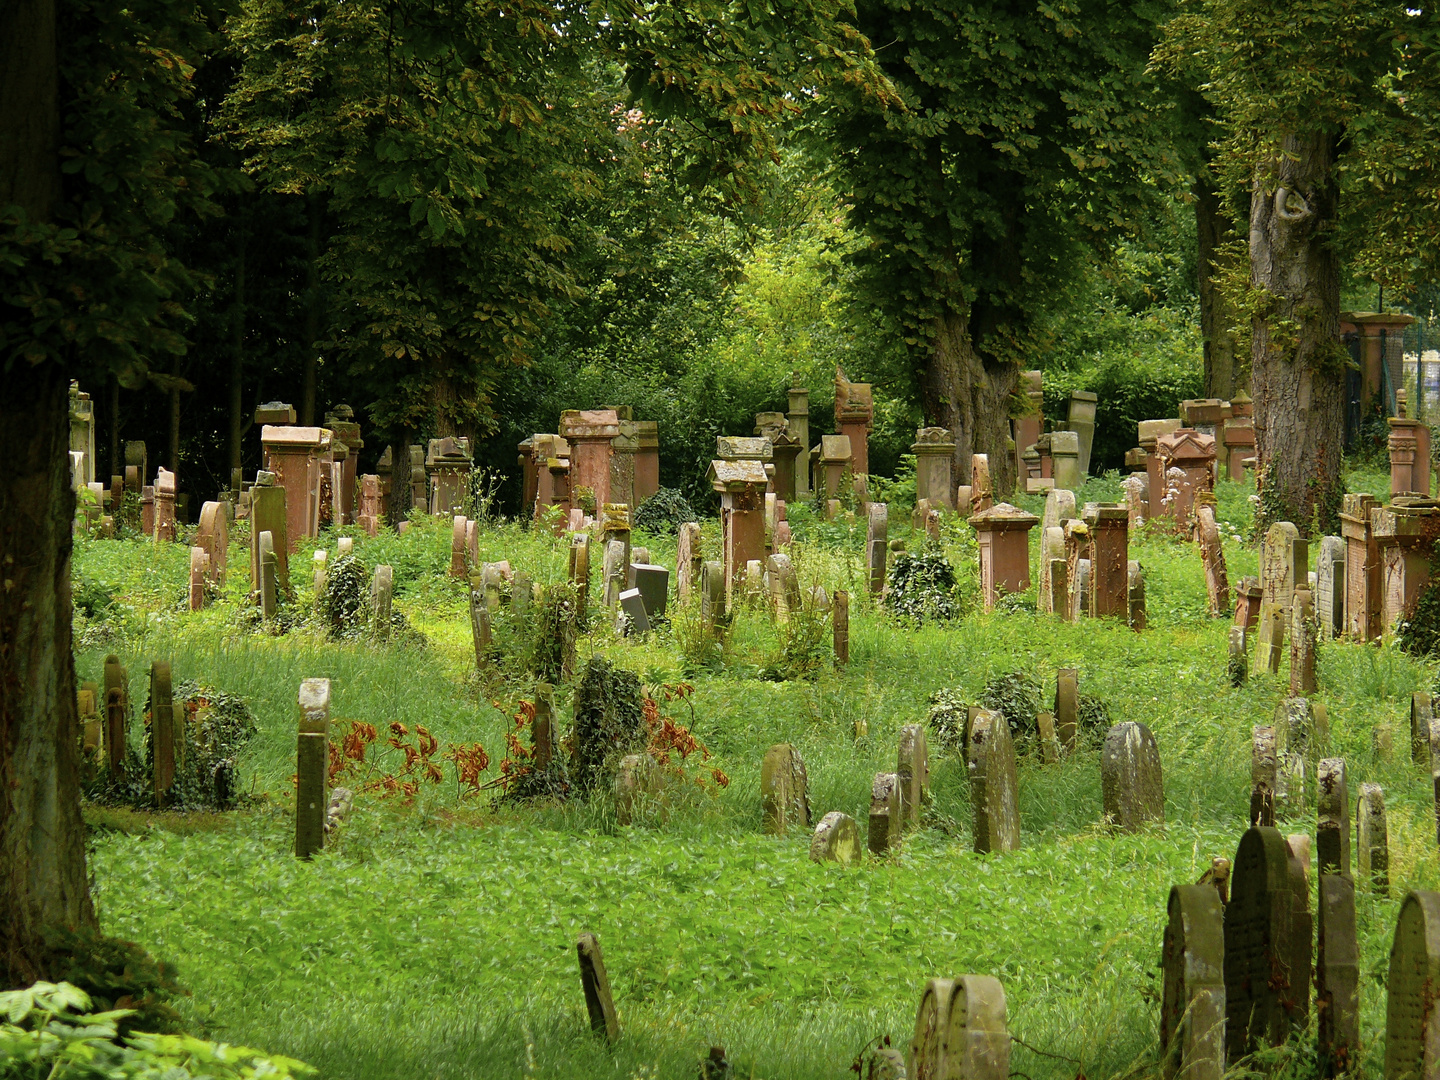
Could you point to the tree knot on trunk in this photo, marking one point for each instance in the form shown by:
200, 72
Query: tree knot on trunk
1291, 205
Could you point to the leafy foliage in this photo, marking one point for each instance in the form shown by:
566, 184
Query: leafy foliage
1016, 696
663, 513
921, 587
949, 713
116, 974
609, 722
344, 608
1419, 635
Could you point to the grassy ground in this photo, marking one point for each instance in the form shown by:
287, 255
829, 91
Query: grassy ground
437, 937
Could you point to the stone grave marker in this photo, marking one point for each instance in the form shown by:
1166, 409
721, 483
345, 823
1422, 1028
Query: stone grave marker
688, 559
214, 537
1192, 1007
580, 574
198, 563
877, 531
982, 489
1412, 1022
1135, 596
1305, 727
712, 592
1067, 706
117, 712
1363, 567
1435, 770
1059, 508
481, 635
522, 594
885, 823
1290, 785
840, 604
1332, 836
269, 569
1264, 776
1372, 841
1130, 778
1108, 526
1212, 556
961, 1031
344, 546
1239, 666
1337, 974
784, 587
1262, 977
312, 761
1303, 638
1065, 457
162, 730
1248, 597
754, 589
1002, 532
632, 607
1052, 550
784, 790
165, 505
1330, 588
836, 839
1049, 742
382, 590
615, 572
994, 789
1422, 712
542, 728
654, 584
599, 1002
319, 561
913, 773
1077, 546
638, 781
1283, 562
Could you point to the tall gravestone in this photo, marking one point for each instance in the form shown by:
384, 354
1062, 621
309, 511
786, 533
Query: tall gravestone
1192, 1006
877, 543
312, 761
269, 574
784, 790
1130, 778
1412, 1022
117, 710
1337, 975
1372, 840
162, 730
1330, 588
1212, 557
1303, 644
382, 590
1264, 775
913, 773
885, 823
1067, 706
1332, 836
840, 615
994, 788
1284, 562
1238, 670
599, 1002
688, 559
1422, 712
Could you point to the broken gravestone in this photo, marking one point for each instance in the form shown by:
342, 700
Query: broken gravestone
599, 1002
836, 839
1372, 841
913, 773
961, 1031
885, 821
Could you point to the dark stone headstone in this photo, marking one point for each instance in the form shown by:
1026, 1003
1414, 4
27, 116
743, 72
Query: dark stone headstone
1192, 1009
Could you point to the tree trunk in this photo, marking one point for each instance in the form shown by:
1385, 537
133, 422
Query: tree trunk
1298, 366
970, 396
117, 458
237, 356
174, 448
29, 109
43, 881
313, 312
400, 502
1224, 377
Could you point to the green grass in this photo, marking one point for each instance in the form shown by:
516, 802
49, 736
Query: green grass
437, 938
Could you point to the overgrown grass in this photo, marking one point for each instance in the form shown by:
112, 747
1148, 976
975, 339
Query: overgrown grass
437, 938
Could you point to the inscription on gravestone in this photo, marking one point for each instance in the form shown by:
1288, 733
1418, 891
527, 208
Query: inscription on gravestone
1412, 1022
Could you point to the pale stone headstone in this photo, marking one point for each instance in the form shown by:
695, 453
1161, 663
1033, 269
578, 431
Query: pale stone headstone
1049, 742
1239, 666
688, 559
344, 546
1065, 452
1264, 776
784, 790
382, 590
1284, 561
913, 773
841, 626
877, 544
632, 607
1305, 727
1303, 643
961, 1031
1412, 1022
599, 1002
312, 763
319, 561
214, 537
1130, 778
1330, 587
1337, 974
480, 632
1212, 556
784, 586
884, 813
994, 789
1192, 1008
1060, 507
1372, 840
268, 573
1135, 596
1067, 706
615, 572
1332, 836
1422, 712
580, 574
199, 561
1264, 975
163, 730
836, 839
638, 781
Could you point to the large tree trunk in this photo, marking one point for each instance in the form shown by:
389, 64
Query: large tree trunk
314, 316
400, 500
1298, 366
237, 355
961, 391
1225, 371
43, 881
29, 109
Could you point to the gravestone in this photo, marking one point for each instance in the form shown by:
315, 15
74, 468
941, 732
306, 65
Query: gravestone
117, 712
1135, 596
1109, 555
267, 514
1212, 557
1305, 727
457, 545
1049, 742
836, 839
382, 590
840, 604
994, 789
1002, 533
784, 587
1192, 1006
1330, 588
1059, 508
632, 607
1248, 596
312, 761
599, 1002
481, 635
1239, 666
961, 1031
1435, 770
784, 790
1065, 455
1332, 836
1266, 965
885, 821
1372, 841
1052, 554
1303, 644
1422, 712
982, 489
580, 575
1284, 561
615, 572
269, 570
876, 544
1137, 498
214, 537
1130, 779
638, 782
542, 727
913, 773
165, 505
688, 559
1290, 785
1412, 1022
1067, 706
319, 561
1264, 776
1337, 975
199, 561
712, 593
654, 584
162, 730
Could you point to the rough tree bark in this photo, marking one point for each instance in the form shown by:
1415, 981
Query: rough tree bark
1224, 377
43, 881
964, 392
314, 315
237, 354
1297, 365
400, 501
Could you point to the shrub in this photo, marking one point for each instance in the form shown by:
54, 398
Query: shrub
344, 607
949, 712
609, 722
803, 646
922, 586
663, 513
115, 974
1015, 696
1419, 635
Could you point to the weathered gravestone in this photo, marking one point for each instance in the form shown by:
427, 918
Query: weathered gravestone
1135, 596
712, 593
481, 635
1067, 706
1264, 775
1303, 638
836, 839
1283, 562
653, 582
688, 559
320, 562
1267, 948
1192, 1006
457, 545
1421, 713
1412, 1022
1049, 742
162, 730
1238, 669
1435, 770
885, 823
784, 586
1372, 841
117, 711
840, 614
961, 1031
1330, 587
1337, 975
382, 590
1332, 836
639, 782
994, 789
1130, 778
1108, 525
269, 570
784, 790
1290, 785
580, 574
913, 773
599, 1002
877, 532
1305, 726
1212, 557
615, 572
198, 563
632, 607
312, 761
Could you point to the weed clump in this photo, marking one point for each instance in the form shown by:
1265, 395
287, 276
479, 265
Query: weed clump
609, 722
552, 647
803, 646
1015, 696
1419, 635
922, 587
344, 608
949, 712
663, 513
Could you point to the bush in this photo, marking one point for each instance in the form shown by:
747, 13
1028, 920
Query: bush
922, 586
663, 513
1015, 696
344, 607
116, 974
609, 722
1419, 635
949, 712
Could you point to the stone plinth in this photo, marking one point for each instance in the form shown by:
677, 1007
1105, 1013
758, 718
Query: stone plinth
786, 451
1406, 537
835, 456
1003, 533
1239, 439
647, 459
1205, 415
1409, 457
1187, 465
294, 455
934, 452
589, 433
854, 413
1065, 459
447, 467
1362, 567
1109, 558
1148, 434
341, 421
741, 486
798, 420
82, 432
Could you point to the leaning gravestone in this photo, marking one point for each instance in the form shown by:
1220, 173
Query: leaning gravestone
1261, 976
836, 839
1192, 1007
994, 790
632, 607
784, 790
1264, 776
1332, 836
1372, 842
1067, 706
884, 813
382, 590
1337, 975
961, 1031
312, 761
913, 771
599, 1002
1412, 1022
1130, 779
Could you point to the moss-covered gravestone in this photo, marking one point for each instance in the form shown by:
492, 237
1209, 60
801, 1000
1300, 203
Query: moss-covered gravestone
994, 789
609, 722
599, 1002
638, 781
1239, 666
1412, 1021
840, 621
961, 1031
269, 570
1372, 841
913, 773
784, 790
580, 575
162, 731
1264, 775
884, 814
1049, 741
117, 710
312, 761
1332, 835
1337, 975
712, 592
1131, 783
1192, 1006
382, 591
481, 634
1067, 706
836, 839
1421, 713
1263, 981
